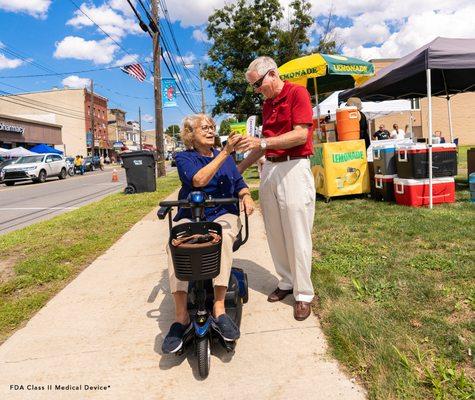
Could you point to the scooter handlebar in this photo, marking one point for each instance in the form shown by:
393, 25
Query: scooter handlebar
206, 203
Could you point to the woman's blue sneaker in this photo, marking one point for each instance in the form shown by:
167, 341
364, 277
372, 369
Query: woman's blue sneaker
229, 330
174, 339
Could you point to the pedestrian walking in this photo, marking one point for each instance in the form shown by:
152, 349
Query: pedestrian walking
287, 190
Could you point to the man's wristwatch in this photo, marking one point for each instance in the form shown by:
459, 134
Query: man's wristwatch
263, 144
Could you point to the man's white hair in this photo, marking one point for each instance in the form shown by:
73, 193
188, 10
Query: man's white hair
261, 65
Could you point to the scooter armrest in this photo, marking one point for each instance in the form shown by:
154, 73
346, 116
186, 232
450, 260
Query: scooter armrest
163, 211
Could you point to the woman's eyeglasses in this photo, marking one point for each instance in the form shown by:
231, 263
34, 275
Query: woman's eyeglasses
207, 128
257, 84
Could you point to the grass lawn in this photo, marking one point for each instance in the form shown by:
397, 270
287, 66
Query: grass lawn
397, 294
396, 291
39, 260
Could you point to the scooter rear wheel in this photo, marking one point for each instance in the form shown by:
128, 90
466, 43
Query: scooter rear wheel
203, 353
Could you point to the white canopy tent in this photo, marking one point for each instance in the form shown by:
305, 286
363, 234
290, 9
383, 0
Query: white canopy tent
3, 152
20, 152
371, 109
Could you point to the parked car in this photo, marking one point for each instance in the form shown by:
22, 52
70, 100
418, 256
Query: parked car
4, 163
91, 163
35, 168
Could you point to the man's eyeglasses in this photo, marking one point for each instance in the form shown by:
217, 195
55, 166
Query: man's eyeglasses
207, 128
257, 84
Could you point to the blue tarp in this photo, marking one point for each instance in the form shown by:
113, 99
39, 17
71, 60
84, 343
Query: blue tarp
43, 148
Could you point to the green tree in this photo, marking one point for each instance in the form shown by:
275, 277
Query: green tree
224, 127
292, 36
173, 131
240, 33
243, 31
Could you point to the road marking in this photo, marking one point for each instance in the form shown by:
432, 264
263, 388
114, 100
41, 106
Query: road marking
37, 208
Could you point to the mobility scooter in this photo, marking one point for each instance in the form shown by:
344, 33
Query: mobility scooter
199, 265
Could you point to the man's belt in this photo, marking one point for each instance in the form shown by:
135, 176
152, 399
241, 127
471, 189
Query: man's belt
285, 158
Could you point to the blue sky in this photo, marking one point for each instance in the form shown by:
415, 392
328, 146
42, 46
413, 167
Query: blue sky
57, 36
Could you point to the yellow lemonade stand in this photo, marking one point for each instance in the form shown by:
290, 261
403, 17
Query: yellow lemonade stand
340, 168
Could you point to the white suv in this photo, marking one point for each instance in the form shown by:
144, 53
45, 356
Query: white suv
35, 168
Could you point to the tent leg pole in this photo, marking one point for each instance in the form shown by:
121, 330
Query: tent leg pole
450, 120
429, 98
319, 134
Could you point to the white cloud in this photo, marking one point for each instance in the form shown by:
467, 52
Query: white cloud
192, 12
418, 30
9, 63
75, 82
112, 22
99, 52
148, 118
201, 36
127, 59
123, 6
36, 8
393, 28
187, 59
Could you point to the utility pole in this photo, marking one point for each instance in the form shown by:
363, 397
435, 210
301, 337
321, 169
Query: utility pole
140, 129
158, 93
92, 118
203, 103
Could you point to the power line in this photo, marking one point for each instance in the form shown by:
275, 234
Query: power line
105, 33
53, 73
188, 100
48, 106
64, 73
163, 5
27, 104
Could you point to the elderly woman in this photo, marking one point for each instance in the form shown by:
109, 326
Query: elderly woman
205, 168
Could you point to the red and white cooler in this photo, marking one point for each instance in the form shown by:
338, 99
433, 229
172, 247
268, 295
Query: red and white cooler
384, 187
412, 161
415, 192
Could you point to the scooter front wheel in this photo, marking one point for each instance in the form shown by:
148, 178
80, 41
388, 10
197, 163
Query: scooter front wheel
203, 353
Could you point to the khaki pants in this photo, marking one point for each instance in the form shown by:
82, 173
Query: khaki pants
287, 197
231, 225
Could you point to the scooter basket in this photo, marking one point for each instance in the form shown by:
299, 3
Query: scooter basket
196, 263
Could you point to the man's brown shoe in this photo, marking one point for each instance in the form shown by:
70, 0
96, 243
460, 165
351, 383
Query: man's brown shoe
278, 295
301, 310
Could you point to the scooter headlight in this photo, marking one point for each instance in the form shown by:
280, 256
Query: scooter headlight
197, 197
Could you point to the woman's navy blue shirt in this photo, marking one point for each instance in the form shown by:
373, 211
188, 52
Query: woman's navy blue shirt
227, 182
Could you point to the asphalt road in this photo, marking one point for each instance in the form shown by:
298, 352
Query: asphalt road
26, 203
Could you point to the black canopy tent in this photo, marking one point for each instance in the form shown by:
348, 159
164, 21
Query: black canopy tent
442, 67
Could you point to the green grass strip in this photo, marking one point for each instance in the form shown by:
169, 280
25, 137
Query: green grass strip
39, 260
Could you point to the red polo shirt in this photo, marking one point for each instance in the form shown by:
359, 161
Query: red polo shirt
290, 107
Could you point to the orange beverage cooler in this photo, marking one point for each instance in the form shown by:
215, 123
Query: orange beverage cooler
347, 124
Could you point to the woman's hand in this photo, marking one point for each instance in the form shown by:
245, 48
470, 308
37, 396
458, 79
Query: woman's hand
232, 142
248, 204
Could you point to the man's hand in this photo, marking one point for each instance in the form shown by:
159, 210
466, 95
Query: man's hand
248, 143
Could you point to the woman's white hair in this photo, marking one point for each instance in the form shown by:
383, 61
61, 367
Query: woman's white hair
261, 65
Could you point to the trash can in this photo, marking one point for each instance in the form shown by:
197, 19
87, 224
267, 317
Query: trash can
140, 171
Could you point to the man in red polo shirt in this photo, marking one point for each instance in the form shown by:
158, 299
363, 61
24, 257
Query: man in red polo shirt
287, 190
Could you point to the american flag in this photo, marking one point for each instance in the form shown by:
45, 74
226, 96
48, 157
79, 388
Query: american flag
135, 70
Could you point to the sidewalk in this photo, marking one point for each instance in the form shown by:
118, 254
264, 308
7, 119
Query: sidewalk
106, 329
